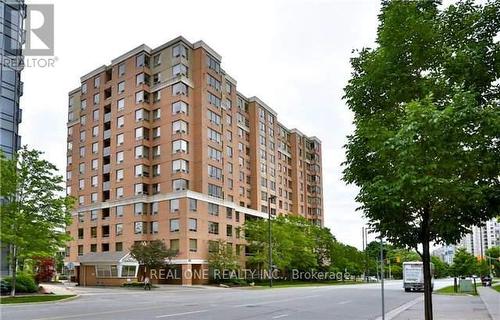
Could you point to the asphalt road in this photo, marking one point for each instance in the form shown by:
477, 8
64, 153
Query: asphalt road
361, 301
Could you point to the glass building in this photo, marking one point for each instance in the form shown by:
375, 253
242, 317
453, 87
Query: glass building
12, 15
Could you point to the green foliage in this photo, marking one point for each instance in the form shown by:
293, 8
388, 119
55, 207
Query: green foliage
425, 150
25, 283
464, 264
297, 244
152, 254
441, 269
34, 215
493, 258
222, 258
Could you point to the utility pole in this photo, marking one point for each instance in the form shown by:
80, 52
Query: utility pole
270, 241
382, 275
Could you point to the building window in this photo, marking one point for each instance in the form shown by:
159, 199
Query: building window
93, 247
179, 107
179, 69
212, 82
119, 175
179, 51
141, 133
179, 126
120, 139
215, 191
121, 87
156, 151
141, 115
174, 205
156, 60
214, 100
214, 172
174, 245
139, 208
118, 229
142, 60
141, 152
179, 184
179, 89
119, 192
119, 248
80, 250
140, 188
141, 96
141, 78
106, 271
119, 157
193, 245
84, 88
213, 209
156, 170
214, 136
121, 69
179, 146
119, 211
193, 224
120, 104
154, 227
156, 96
156, 132
180, 165
174, 225
213, 64
154, 207
139, 227
213, 117
93, 232
193, 204
229, 230
96, 98
213, 227
214, 154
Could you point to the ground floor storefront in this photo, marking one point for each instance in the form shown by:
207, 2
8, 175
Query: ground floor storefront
111, 269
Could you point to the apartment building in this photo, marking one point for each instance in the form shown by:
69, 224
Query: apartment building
12, 14
161, 145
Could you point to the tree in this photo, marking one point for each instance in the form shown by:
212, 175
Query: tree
425, 149
153, 254
222, 258
45, 269
441, 269
464, 264
33, 213
493, 257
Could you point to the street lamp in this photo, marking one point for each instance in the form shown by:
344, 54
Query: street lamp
269, 199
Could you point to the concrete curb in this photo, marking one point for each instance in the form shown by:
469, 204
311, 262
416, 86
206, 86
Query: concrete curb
394, 312
40, 302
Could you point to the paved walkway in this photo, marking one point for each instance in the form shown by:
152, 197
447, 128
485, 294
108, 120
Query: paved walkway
491, 299
449, 308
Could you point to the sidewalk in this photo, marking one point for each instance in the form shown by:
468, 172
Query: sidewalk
449, 308
491, 299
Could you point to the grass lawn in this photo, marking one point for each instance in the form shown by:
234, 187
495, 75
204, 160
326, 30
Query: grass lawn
30, 299
449, 291
496, 287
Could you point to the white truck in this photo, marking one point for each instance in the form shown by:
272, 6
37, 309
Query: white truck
413, 276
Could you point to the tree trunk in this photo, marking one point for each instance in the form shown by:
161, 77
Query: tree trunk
426, 259
14, 269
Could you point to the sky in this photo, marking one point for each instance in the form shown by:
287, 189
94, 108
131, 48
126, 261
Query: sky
292, 54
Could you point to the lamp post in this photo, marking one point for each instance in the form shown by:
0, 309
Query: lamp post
382, 275
269, 199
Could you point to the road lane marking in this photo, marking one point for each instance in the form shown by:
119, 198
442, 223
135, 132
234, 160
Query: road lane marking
280, 316
273, 301
181, 314
394, 312
345, 302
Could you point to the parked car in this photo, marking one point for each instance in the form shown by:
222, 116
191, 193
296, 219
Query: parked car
486, 281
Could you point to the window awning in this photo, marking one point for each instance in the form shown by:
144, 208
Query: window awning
106, 258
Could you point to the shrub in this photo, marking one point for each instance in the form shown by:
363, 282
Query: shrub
25, 283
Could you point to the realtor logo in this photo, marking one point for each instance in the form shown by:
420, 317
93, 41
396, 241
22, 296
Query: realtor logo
39, 30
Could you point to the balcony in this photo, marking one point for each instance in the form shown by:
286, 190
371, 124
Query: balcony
107, 134
106, 151
107, 117
106, 168
106, 186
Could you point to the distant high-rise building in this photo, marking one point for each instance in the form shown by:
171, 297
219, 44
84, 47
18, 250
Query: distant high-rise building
161, 145
12, 14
